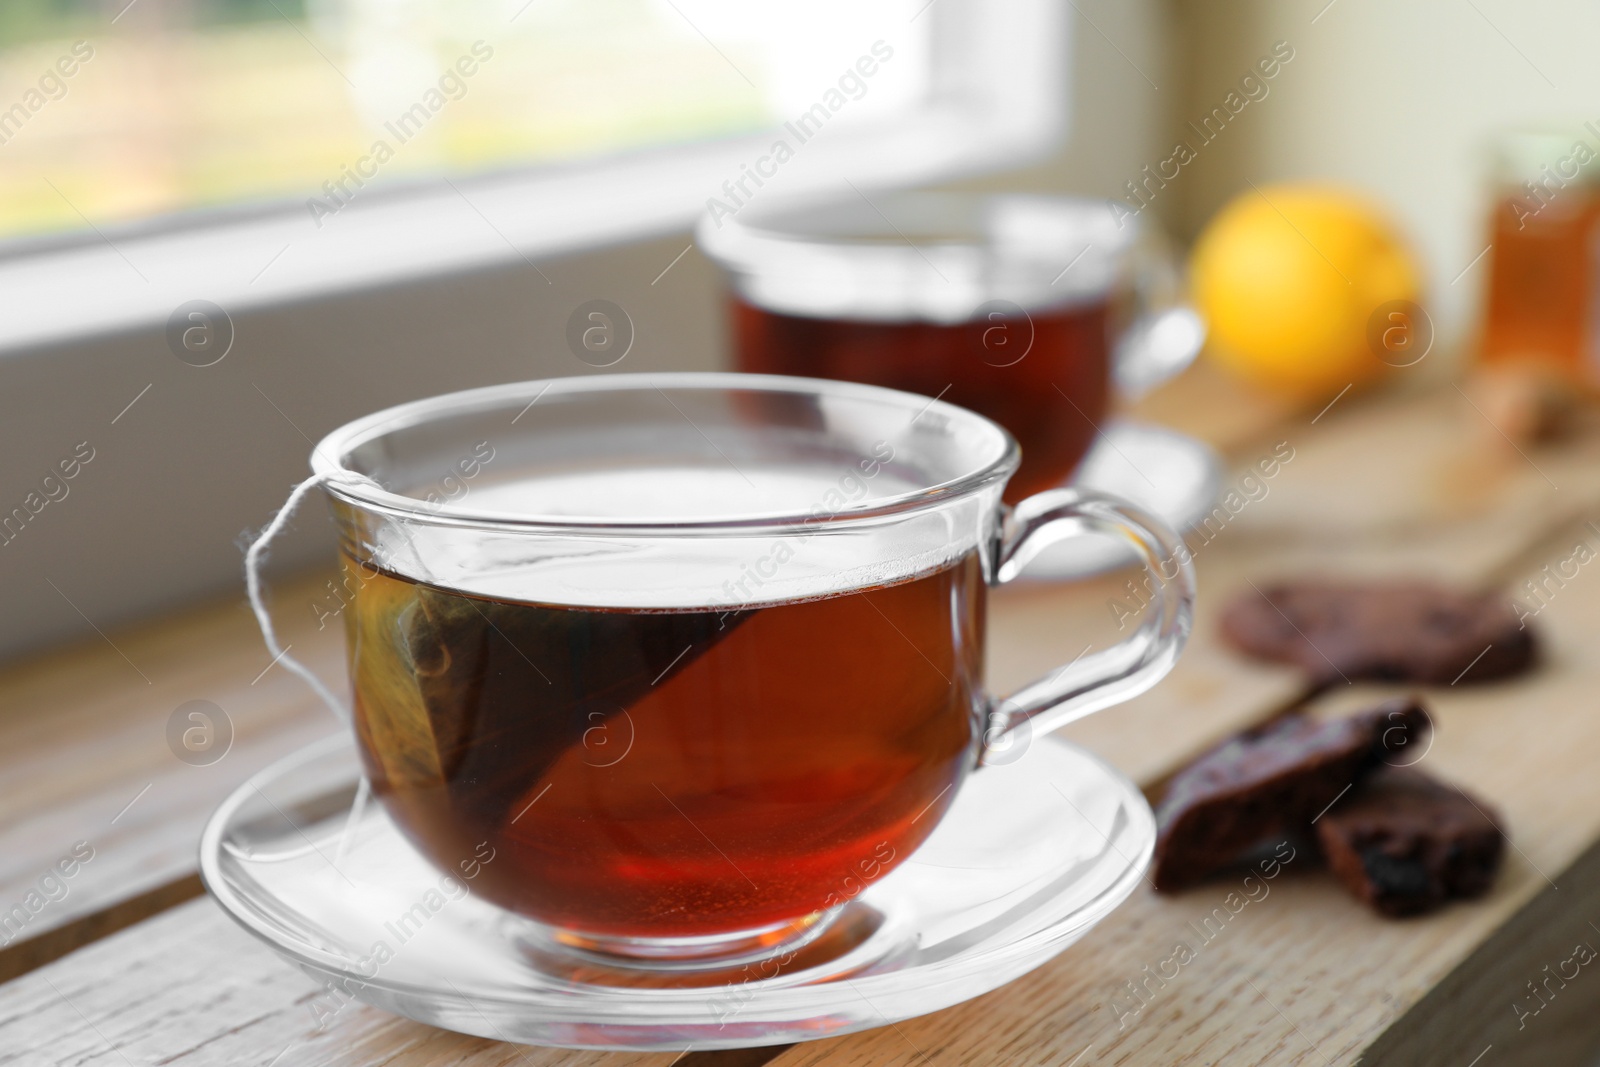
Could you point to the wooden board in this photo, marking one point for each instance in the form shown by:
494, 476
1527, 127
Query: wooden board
189, 987
1307, 975
87, 762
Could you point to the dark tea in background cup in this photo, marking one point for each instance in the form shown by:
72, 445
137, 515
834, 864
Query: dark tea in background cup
695, 658
1022, 308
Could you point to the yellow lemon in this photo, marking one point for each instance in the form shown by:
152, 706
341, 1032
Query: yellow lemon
1289, 279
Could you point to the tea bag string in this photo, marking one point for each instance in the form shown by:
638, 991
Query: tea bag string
256, 555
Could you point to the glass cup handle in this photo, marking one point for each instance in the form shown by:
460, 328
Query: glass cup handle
1112, 675
1166, 334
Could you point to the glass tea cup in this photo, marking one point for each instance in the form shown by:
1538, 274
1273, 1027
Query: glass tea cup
1542, 305
1024, 308
694, 657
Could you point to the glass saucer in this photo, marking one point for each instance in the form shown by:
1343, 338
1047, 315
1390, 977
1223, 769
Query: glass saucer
1167, 473
1031, 855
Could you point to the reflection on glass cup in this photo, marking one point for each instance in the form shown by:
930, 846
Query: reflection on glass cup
1022, 308
697, 656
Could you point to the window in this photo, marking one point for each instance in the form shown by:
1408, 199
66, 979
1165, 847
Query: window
255, 150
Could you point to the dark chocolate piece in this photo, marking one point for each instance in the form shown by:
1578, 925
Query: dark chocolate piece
1390, 631
1269, 783
1404, 843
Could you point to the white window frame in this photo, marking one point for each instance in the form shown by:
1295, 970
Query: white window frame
999, 99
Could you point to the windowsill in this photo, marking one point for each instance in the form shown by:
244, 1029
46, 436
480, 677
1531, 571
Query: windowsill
135, 281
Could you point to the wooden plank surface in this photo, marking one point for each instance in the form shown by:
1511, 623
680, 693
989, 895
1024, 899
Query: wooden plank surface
224, 999
88, 765
1307, 975
190, 988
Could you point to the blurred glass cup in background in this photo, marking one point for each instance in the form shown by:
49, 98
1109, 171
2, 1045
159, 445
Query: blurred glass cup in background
1026, 309
1542, 308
